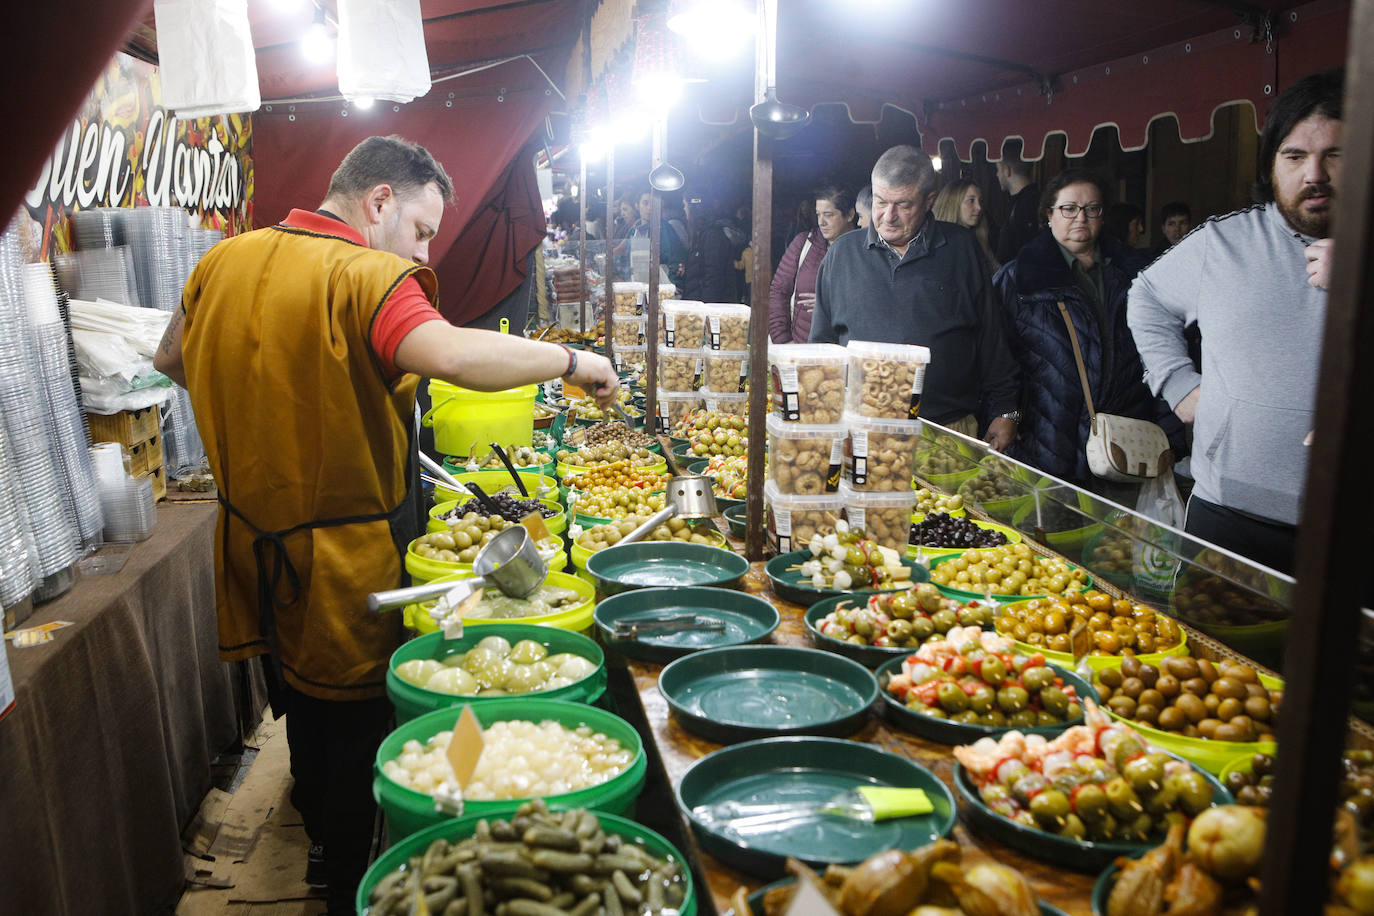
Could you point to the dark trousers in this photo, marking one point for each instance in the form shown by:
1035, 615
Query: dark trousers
333, 746
1272, 544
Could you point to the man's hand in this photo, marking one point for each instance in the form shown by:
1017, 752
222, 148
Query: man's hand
1187, 408
806, 300
596, 376
1319, 263
1001, 433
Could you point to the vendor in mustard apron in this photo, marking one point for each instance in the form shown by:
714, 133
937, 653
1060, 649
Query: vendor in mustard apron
302, 346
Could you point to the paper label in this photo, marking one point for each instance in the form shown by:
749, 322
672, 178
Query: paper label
786, 393
713, 324
743, 375
466, 746
669, 328
782, 528
619, 362
832, 479
665, 423
855, 515
698, 371
1080, 640
858, 469
918, 381
534, 524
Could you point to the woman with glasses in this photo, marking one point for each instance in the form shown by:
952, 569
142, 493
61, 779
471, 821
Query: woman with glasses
1072, 262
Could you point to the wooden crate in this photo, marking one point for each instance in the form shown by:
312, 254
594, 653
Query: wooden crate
129, 427
159, 475
145, 456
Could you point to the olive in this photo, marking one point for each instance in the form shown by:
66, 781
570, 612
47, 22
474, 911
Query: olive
1044, 717
1104, 694
944, 620
1235, 781
994, 718
1130, 667
1104, 828
1181, 667
903, 605
993, 671
1075, 712
1258, 708
1121, 798
1168, 686
1207, 671
1150, 697
1194, 793
1229, 708
1055, 701
952, 697
1145, 774
1196, 686
1228, 687
1012, 699
1050, 808
1248, 795
934, 712
1148, 675
1122, 705
1132, 687
1172, 719
967, 717
1090, 803
1073, 828
1162, 801
1035, 679
1257, 690
1111, 677
1246, 726
981, 700
1147, 713
1212, 703
1191, 706
1207, 728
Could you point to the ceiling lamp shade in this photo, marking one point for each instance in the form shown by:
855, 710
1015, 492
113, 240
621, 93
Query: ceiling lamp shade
382, 50
206, 57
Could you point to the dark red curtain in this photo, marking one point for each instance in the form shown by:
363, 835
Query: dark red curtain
478, 126
51, 60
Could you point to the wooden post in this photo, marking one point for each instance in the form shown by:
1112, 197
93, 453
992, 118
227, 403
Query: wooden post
758, 290
608, 302
1334, 538
582, 248
651, 308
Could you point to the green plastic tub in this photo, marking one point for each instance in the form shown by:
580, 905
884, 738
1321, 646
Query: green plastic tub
576, 618
408, 811
424, 569
412, 702
463, 827
556, 525
494, 482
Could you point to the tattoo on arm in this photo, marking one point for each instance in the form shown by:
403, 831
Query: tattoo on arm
170, 334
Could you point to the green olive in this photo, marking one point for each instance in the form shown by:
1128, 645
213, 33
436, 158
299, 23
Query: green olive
1037, 678
982, 698
1050, 808
1012, 699
1090, 803
952, 697
994, 672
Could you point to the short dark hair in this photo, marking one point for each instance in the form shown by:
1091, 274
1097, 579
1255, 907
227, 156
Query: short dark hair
1072, 176
1174, 208
392, 160
1319, 93
568, 213
1011, 158
842, 199
1118, 219
906, 165
864, 198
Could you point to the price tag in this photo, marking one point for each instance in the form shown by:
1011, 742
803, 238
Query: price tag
1080, 640
534, 524
809, 901
466, 747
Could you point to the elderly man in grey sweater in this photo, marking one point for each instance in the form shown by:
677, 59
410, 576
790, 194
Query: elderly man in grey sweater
1254, 281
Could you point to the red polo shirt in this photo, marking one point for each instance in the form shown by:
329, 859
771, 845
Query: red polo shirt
405, 310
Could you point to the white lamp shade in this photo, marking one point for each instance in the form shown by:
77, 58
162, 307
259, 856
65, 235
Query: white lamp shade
382, 50
206, 57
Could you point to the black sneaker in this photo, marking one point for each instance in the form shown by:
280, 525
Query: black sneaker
315, 869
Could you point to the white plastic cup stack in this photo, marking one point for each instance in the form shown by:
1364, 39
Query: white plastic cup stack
130, 508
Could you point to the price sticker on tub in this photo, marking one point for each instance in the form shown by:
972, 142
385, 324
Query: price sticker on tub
465, 748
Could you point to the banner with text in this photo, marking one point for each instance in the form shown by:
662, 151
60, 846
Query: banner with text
123, 149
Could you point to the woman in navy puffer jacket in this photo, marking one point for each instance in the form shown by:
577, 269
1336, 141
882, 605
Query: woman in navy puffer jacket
1073, 262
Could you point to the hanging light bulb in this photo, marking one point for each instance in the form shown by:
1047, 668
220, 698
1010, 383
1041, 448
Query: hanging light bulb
315, 43
715, 29
363, 102
937, 162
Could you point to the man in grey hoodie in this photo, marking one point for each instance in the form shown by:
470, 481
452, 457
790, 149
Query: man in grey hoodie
1255, 283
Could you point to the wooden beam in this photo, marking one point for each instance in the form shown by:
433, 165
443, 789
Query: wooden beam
582, 248
1334, 535
608, 303
651, 307
758, 292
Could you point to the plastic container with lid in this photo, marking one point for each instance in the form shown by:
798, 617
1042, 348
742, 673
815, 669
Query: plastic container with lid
629, 298
680, 368
726, 370
808, 382
672, 407
878, 452
884, 517
727, 326
681, 323
627, 330
735, 403
886, 379
635, 357
793, 519
804, 460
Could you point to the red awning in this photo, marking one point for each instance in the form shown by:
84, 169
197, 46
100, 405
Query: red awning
988, 70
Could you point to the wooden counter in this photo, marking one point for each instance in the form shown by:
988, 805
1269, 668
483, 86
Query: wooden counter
678, 749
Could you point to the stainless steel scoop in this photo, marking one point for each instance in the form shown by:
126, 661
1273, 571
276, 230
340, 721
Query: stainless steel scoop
689, 496
510, 561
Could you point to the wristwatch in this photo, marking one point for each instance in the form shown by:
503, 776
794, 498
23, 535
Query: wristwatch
1012, 415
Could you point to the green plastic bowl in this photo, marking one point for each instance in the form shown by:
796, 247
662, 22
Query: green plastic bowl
556, 525
930, 553
424, 569
808, 769
868, 656
495, 482
1206, 753
455, 465
408, 811
1095, 662
1070, 542
746, 619
737, 517
947, 732
698, 467
648, 564
411, 701
742, 693
967, 596
790, 585
580, 554
461, 828
1080, 855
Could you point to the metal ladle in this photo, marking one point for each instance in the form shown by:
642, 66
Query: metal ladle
689, 496
510, 561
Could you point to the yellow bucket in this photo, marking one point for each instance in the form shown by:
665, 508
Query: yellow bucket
464, 419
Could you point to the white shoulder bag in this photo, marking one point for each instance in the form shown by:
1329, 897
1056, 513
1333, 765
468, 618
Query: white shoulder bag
1119, 448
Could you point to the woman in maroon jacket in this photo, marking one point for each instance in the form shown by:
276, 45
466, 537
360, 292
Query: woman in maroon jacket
793, 293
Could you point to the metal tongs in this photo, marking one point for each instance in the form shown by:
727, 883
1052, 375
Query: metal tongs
633, 629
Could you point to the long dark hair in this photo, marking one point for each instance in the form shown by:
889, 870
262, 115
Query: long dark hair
1320, 94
